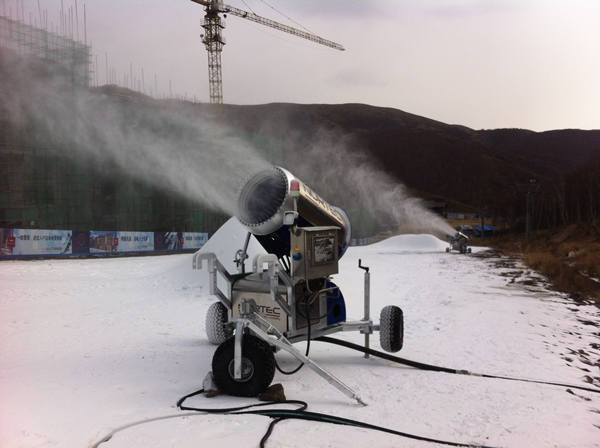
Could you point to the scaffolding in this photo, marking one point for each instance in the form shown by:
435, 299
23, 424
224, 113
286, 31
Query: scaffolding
27, 40
41, 188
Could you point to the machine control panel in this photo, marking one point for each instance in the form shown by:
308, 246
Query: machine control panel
314, 251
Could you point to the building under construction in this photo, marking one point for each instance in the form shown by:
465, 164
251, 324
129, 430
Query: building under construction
28, 40
41, 188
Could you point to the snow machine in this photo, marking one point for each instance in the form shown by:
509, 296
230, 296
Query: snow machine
288, 295
459, 243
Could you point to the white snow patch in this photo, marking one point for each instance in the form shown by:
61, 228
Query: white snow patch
410, 243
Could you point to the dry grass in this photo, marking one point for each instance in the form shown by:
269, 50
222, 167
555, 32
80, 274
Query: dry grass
568, 257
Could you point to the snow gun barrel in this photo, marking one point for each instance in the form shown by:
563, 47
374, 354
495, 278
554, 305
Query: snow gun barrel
268, 200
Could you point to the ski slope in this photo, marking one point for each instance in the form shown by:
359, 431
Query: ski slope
94, 344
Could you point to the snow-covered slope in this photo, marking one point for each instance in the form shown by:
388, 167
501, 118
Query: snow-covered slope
90, 345
409, 243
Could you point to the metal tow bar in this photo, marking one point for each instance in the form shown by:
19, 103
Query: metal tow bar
263, 329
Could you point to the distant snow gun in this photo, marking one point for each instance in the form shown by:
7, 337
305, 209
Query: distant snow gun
459, 242
288, 295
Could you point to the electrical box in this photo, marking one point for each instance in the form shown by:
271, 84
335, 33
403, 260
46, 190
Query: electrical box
314, 252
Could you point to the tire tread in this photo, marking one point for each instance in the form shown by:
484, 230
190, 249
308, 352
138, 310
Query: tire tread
391, 328
216, 318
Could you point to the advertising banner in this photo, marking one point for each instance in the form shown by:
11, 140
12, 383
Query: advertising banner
168, 240
35, 242
81, 242
135, 241
102, 242
194, 240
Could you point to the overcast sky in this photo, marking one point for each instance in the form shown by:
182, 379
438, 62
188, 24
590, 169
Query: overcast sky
481, 63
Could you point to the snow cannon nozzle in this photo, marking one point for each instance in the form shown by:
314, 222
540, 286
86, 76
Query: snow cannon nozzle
271, 196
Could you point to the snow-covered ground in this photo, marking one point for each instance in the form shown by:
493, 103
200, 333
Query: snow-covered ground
89, 345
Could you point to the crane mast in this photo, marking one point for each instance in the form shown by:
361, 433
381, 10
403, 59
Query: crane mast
213, 39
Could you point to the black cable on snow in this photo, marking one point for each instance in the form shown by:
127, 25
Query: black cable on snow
302, 405
283, 414
423, 366
300, 413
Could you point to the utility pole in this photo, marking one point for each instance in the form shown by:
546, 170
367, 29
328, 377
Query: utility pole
482, 224
533, 188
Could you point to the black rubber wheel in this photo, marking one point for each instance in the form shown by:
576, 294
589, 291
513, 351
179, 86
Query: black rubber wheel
216, 318
391, 328
258, 367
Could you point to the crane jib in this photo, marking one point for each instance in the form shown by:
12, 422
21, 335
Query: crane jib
280, 26
214, 40
221, 7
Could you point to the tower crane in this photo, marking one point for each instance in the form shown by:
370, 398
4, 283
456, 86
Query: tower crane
213, 39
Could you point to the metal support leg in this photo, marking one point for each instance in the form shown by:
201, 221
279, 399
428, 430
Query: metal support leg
367, 292
367, 307
237, 350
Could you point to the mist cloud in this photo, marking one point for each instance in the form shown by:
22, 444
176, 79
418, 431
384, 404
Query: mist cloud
338, 168
174, 147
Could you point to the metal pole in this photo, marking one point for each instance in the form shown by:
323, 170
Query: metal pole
367, 307
482, 225
532, 188
237, 350
367, 292
527, 214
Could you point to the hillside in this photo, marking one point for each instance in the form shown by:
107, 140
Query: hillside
479, 168
471, 170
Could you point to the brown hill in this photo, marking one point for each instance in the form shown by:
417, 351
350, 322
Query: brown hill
473, 170
480, 168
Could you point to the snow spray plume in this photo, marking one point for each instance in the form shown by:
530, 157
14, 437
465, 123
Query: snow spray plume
173, 148
374, 200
